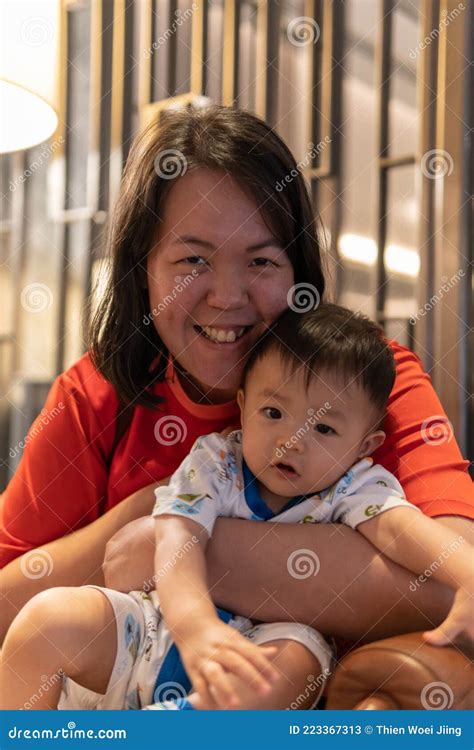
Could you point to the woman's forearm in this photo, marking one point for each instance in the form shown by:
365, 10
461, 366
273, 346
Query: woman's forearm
269, 572
356, 594
73, 560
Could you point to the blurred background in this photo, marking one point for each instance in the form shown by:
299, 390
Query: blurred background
374, 97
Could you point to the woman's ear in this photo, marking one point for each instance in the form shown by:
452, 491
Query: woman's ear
371, 443
240, 399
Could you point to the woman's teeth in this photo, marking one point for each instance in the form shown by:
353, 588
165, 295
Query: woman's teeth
227, 337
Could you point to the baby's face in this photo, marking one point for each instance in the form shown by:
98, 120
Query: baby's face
299, 441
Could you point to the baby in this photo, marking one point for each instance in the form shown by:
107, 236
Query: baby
312, 403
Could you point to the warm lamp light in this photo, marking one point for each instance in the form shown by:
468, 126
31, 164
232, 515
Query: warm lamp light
29, 40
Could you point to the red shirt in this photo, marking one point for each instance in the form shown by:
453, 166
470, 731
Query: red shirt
63, 481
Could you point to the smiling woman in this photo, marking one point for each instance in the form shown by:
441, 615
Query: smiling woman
206, 253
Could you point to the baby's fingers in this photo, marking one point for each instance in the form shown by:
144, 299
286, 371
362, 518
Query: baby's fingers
240, 667
219, 685
258, 656
444, 634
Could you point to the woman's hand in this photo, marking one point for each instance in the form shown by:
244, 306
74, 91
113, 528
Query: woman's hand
213, 652
458, 627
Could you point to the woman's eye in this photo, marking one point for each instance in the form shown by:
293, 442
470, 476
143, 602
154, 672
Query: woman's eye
192, 258
265, 260
272, 413
324, 429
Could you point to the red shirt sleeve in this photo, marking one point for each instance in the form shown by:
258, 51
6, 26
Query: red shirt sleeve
420, 448
61, 481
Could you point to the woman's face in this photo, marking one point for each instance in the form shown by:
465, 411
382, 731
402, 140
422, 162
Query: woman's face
215, 266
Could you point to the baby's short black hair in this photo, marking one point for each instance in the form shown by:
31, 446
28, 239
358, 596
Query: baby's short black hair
335, 339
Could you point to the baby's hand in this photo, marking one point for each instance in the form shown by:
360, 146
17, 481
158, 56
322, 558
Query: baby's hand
217, 650
458, 627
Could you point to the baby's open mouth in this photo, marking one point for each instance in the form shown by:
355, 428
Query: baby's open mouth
222, 336
286, 469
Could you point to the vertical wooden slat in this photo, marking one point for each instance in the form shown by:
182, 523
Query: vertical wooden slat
383, 64
230, 52
198, 36
451, 243
118, 71
145, 52
426, 104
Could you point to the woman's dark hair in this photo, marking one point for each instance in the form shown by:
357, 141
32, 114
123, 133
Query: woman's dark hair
334, 339
127, 352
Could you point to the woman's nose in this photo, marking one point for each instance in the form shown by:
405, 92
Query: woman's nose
227, 290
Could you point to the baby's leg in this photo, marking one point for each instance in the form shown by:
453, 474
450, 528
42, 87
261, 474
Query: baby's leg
298, 668
303, 660
60, 631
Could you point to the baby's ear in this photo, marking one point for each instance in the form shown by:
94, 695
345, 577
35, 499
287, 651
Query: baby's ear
371, 443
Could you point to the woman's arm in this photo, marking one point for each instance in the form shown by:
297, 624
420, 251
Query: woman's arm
366, 598
73, 560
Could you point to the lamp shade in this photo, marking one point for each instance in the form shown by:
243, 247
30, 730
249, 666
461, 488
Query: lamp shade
29, 39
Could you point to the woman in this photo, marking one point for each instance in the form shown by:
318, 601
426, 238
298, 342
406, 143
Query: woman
204, 247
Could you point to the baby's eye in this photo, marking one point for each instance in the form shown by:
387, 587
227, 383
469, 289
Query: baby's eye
272, 413
324, 429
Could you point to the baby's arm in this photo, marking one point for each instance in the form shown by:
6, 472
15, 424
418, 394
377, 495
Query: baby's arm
418, 543
208, 647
